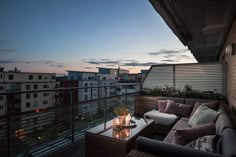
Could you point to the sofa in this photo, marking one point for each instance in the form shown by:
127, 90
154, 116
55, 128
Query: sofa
224, 129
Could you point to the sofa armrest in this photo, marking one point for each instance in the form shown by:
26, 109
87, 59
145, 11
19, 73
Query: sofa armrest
164, 149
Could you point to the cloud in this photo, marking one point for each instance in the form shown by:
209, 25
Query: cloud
165, 51
119, 62
59, 66
169, 60
7, 50
135, 64
99, 62
7, 61
48, 62
88, 67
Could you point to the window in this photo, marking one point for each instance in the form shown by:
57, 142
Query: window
27, 105
85, 90
45, 78
91, 84
53, 77
85, 84
1, 97
1, 107
10, 77
27, 96
90, 78
35, 120
35, 86
104, 78
35, 95
1, 87
30, 77
1, 76
85, 97
35, 104
46, 94
45, 102
45, 86
40, 77
85, 107
27, 87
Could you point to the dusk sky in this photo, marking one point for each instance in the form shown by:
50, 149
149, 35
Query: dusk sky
58, 35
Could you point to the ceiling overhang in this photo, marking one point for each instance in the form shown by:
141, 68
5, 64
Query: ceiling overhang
202, 25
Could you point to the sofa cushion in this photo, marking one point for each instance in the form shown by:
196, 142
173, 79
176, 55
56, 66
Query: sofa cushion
160, 117
169, 136
228, 142
205, 143
162, 104
222, 122
181, 124
203, 115
184, 136
213, 105
181, 110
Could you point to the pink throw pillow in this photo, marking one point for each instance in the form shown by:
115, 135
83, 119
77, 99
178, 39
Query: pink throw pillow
162, 104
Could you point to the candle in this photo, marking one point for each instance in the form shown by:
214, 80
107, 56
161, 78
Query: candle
127, 119
117, 124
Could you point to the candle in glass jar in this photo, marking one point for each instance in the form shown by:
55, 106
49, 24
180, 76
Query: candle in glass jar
117, 122
127, 119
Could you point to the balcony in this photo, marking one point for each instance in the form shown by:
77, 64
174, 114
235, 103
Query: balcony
46, 129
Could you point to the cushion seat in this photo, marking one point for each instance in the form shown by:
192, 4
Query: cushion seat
181, 124
160, 117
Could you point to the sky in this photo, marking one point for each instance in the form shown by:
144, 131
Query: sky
58, 35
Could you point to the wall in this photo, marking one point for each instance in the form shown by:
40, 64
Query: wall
231, 62
202, 77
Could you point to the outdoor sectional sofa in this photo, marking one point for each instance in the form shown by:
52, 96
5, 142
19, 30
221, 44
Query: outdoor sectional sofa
225, 131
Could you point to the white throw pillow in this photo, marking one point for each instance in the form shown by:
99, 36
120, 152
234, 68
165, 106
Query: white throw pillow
160, 117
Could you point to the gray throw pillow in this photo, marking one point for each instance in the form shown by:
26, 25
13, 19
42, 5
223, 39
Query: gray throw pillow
203, 115
181, 110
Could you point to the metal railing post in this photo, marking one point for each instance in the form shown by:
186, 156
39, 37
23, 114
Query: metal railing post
91, 98
72, 117
126, 95
8, 128
105, 90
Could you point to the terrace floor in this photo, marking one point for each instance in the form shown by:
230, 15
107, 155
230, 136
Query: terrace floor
75, 150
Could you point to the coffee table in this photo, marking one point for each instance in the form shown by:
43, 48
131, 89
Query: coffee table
104, 141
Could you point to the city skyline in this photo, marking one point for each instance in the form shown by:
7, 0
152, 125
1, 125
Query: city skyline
55, 36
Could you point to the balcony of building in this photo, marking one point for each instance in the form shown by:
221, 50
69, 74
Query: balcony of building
44, 129
208, 28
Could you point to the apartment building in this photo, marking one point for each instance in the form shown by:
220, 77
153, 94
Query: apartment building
31, 102
92, 86
13, 81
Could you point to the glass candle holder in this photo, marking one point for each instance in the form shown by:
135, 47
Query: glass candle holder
127, 120
117, 124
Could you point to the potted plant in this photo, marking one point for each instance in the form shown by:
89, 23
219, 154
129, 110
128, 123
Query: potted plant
121, 111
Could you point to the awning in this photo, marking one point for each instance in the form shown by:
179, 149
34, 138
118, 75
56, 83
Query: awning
202, 25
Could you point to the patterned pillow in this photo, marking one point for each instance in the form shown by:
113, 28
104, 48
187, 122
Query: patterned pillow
205, 143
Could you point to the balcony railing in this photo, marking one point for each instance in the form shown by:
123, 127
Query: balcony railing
58, 118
